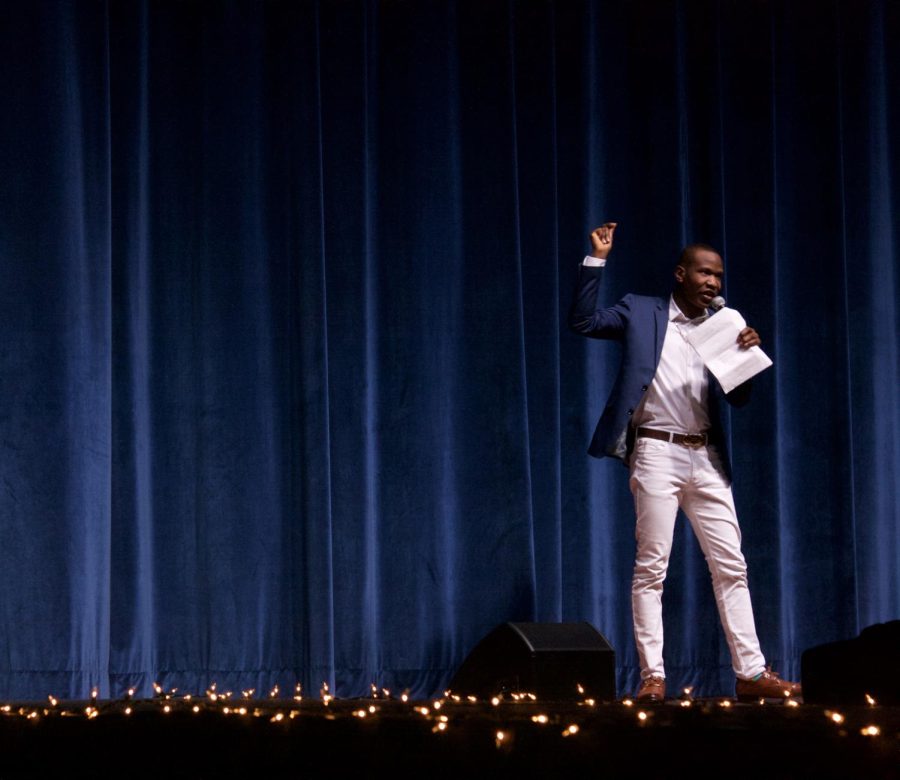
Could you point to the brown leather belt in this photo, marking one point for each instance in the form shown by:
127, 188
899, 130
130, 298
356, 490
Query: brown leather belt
693, 440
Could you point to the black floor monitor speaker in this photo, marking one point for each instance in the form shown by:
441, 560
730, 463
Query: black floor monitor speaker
549, 660
845, 672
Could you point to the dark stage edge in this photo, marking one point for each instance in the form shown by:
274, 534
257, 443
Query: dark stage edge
280, 738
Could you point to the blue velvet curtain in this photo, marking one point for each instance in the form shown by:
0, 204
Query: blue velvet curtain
287, 390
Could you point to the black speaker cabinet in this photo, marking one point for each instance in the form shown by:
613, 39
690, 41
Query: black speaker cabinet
549, 660
844, 672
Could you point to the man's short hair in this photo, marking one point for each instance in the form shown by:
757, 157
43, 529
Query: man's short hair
687, 254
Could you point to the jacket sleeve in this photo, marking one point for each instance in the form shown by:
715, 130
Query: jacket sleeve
586, 318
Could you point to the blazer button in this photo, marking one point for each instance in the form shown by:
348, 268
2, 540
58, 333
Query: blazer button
644, 389
630, 412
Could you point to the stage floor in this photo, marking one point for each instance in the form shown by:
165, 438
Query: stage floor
200, 737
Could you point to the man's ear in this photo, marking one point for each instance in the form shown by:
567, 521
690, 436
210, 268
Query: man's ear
679, 273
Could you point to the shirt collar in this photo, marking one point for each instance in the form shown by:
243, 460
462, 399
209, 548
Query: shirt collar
677, 315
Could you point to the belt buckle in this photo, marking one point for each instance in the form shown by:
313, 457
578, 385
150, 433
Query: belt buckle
693, 440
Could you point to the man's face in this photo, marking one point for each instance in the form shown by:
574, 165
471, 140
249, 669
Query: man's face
699, 281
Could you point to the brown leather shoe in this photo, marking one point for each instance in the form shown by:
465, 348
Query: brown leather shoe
767, 686
652, 689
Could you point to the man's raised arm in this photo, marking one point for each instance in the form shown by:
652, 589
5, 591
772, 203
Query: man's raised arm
584, 316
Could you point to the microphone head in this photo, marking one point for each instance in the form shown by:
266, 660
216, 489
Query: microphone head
717, 303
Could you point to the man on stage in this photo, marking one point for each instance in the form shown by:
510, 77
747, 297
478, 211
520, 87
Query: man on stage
664, 419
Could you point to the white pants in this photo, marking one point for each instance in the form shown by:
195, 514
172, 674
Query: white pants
665, 476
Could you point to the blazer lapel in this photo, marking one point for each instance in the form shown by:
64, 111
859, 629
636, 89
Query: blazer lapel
662, 323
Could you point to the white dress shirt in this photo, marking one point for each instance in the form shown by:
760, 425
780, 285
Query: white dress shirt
676, 400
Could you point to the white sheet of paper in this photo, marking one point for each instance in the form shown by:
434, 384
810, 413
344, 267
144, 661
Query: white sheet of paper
716, 343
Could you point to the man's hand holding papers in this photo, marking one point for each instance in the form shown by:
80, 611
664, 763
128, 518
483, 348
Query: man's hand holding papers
717, 343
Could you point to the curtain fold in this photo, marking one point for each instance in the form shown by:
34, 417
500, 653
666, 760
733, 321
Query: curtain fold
289, 394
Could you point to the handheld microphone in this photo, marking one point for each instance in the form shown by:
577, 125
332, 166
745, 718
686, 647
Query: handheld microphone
717, 303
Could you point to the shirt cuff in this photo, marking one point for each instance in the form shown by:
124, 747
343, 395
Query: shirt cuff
596, 262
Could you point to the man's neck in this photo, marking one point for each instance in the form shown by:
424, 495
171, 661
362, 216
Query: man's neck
691, 312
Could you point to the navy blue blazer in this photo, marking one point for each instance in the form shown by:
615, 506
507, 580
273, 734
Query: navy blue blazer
639, 322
